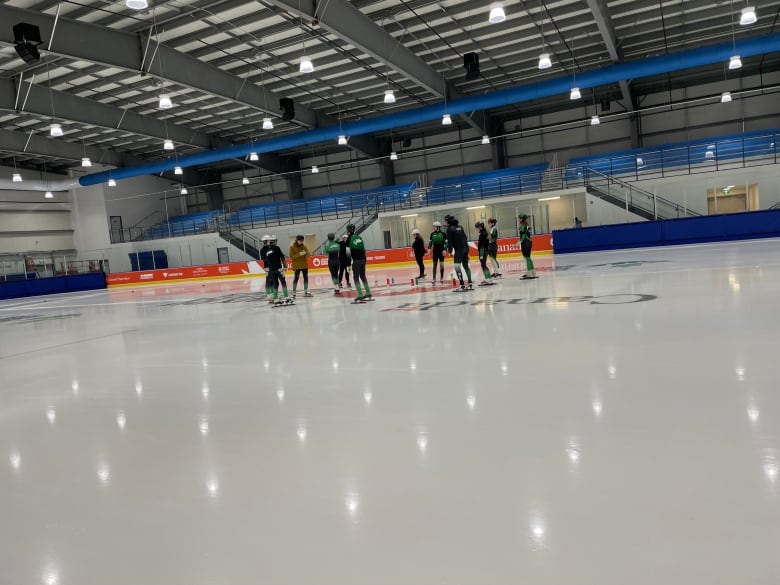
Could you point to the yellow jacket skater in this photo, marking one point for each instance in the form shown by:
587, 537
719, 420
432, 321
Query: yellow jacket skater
299, 255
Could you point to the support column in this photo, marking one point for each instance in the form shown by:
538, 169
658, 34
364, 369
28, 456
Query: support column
212, 181
292, 166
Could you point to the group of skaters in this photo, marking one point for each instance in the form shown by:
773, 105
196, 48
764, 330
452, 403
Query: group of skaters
350, 250
455, 242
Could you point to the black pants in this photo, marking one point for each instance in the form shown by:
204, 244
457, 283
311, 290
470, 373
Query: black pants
343, 271
483, 260
334, 269
305, 278
359, 271
421, 265
438, 258
277, 277
525, 248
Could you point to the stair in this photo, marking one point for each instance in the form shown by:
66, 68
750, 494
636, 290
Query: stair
239, 238
609, 198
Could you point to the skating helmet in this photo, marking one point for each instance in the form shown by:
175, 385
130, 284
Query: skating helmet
299, 237
492, 220
331, 236
479, 225
351, 228
448, 219
437, 224
272, 239
344, 236
522, 216
265, 238
416, 232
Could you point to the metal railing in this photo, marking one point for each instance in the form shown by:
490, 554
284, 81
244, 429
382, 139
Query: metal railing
40, 264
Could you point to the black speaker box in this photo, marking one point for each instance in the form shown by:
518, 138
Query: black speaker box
288, 108
471, 64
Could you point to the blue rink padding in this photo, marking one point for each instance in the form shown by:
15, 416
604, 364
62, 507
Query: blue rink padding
54, 285
670, 232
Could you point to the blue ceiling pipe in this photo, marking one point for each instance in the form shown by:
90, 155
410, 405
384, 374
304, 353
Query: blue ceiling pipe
560, 85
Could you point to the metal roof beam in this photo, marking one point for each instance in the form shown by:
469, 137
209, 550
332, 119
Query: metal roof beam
342, 19
87, 42
603, 21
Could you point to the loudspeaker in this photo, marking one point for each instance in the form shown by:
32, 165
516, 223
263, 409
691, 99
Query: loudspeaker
407, 142
29, 53
471, 64
288, 108
27, 37
27, 33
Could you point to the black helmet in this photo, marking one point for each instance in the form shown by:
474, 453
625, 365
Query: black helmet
479, 225
351, 228
331, 236
448, 219
299, 237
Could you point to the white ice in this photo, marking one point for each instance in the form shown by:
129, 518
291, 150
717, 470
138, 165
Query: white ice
615, 422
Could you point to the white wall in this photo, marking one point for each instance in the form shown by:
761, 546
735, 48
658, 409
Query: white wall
142, 201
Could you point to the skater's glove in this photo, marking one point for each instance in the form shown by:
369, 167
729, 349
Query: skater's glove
301, 253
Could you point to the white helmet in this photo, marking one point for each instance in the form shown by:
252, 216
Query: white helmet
415, 231
436, 224
272, 238
265, 238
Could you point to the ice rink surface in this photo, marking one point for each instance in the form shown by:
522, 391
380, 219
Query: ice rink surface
615, 422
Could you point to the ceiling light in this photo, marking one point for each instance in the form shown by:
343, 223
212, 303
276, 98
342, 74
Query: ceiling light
268, 124
486, 139
549, 198
497, 13
86, 162
595, 120
544, 61
314, 169
748, 15
177, 170
342, 139
165, 102
735, 62
575, 93
49, 195
184, 191
446, 120
253, 156
55, 130
725, 98
709, 154
389, 96
137, 4
168, 144
111, 183
394, 155
306, 65
16, 178
245, 181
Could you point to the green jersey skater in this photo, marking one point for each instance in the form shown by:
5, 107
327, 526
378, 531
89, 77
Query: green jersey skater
358, 250
525, 246
332, 248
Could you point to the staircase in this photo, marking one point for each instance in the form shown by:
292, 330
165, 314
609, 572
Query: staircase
367, 215
632, 198
239, 238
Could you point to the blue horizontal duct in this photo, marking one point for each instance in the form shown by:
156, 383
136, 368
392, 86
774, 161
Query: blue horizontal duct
560, 85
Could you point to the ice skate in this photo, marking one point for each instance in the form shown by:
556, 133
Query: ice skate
337, 292
307, 294
365, 298
486, 283
358, 301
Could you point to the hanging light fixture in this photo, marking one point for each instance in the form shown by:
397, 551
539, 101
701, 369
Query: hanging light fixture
575, 93
306, 65
486, 139
389, 96
111, 182
342, 140
595, 120
268, 124
393, 155
544, 61
725, 97
314, 169
497, 13
16, 178
165, 102
177, 170
735, 62
748, 16
245, 180
86, 162
55, 130
137, 4
183, 191
49, 195
168, 144
446, 120
253, 156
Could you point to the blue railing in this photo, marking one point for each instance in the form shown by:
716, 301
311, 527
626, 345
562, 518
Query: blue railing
684, 158
182, 225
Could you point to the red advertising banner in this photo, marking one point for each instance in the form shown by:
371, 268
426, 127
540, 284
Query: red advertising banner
507, 247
